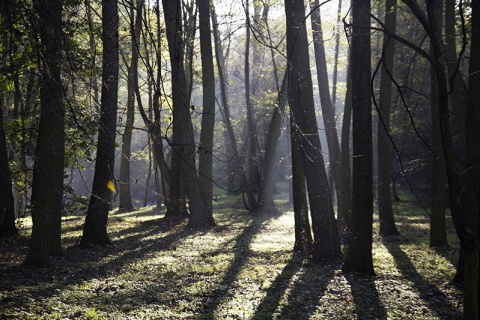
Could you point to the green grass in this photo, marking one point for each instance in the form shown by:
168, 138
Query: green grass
242, 269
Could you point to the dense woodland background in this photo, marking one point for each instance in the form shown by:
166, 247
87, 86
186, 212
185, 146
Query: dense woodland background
335, 109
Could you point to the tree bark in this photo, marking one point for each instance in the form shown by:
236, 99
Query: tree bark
303, 234
472, 178
183, 144
47, 187
251, 187
385, 210
265, 199
208, 112
234, 170
95, 228
359, 254
326, 244
328, 109
7, 209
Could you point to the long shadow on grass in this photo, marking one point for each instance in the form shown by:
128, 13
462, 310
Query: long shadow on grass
430, 293
275, 292
303, 283
241, 255
366, 298
81, 265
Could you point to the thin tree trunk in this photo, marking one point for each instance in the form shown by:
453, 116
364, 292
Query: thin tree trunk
303, 234
328, 109
208, 113
7, 208
95, 228
234, 170
135, 27
265, 199
252, 161
345, 214
385, 209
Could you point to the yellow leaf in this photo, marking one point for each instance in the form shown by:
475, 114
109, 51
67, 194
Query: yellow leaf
111, 186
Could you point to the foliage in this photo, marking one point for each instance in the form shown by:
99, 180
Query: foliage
242, 269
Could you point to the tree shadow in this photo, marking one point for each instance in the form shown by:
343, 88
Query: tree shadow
366, 298
435, 299
310, 284
242, 252
277, 289
79, 265
449, 253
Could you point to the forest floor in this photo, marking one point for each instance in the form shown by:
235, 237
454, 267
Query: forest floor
242, 269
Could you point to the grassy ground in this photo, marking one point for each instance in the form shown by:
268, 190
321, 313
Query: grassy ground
242, 269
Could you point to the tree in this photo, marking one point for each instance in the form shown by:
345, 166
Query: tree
47, 188
7, 212
385, 210
300, 93
265, 198
135, 27
328, 109
471, 195
253, 176
303, 234
438, 236
208, 114
234, 170
359, 254
95, 228
183, 144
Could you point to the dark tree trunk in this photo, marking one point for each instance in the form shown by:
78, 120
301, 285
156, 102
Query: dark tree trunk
208, 113
7, 210
472, 179
95, 228
359, 254
385, 210
326, 244
183, 142
303, 234
47, 188
344, 220
328, 109
252, 182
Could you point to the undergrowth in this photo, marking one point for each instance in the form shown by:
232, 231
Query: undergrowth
242, 269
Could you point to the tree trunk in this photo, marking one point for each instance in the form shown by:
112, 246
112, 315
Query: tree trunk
208, 112
252, 161
265, 198
47, 187
472, 178
303, 234
135, 27
385, 210
326, 244
328, 110
183, 144
234, 170
458, 97
95, 228
359, 254
345, 214
7, 209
